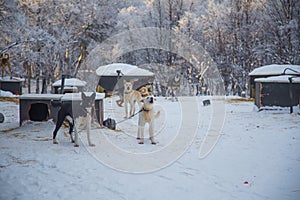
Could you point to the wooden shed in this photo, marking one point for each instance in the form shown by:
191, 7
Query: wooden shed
281, 91
111, 76
270, 71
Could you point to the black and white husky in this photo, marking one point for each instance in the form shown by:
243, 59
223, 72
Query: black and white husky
66, 113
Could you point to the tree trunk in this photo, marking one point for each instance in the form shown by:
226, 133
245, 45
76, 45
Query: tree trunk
37, 89
29, 79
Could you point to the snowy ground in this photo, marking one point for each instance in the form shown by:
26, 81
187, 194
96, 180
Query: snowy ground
257, 156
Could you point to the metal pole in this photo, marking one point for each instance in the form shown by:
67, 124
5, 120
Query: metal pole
62, 83
291, 94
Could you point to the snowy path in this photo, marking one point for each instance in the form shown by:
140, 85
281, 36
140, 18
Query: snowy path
257, 157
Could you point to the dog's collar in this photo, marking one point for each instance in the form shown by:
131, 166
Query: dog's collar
84, 110
145, 110
127, 92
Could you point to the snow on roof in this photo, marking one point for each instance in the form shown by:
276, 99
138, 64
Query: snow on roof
126, 70
14, 79
77, 96
41, 96
70, 82
275, 69
279, 79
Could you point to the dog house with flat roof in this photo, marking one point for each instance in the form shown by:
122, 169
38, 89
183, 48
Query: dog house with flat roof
281, 91
269, 71
13, 85
111, 77
71, 85
38, 107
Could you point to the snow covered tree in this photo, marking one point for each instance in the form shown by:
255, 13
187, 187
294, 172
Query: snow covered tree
51, 38
282, 37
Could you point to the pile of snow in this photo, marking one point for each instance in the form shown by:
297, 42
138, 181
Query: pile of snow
257, 157
275, 69
6, 94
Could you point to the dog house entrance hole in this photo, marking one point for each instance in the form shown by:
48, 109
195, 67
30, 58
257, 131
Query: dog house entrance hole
38, 112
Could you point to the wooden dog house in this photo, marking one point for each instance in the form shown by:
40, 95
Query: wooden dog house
111, 76
72, 85
13, 85
270, 71
38, 107
281, 91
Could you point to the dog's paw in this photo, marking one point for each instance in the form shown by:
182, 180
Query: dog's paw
92, 145
152, 141
76, 145
138, 138
141, 142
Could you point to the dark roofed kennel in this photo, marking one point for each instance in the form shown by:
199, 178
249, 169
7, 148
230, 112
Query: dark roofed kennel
271, 71
38, 107
12, 85
71, 85
111, 76
281, 91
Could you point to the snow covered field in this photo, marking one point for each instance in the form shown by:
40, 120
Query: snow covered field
256, 157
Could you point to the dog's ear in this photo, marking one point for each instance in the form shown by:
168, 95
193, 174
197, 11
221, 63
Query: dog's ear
124, 82
93, 95
132, 81
83, 95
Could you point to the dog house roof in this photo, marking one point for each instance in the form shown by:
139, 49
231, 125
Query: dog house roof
77, 96
275, 70
126, 70
41, 96
278, 79
14, 79
70, 82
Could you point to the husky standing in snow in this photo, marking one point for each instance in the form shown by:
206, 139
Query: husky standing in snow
147, 115
131, 97
173, 87
66, 113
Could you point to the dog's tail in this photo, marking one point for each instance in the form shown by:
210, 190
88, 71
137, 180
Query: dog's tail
56, 103
143, 91
157, 115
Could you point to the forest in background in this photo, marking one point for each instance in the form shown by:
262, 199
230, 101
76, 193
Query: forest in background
48, 38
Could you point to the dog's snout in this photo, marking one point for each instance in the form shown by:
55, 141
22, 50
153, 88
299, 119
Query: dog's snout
151, 99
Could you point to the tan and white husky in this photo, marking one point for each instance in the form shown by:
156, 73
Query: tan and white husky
131, 97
